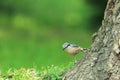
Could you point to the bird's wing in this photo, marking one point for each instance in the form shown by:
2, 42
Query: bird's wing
73, 45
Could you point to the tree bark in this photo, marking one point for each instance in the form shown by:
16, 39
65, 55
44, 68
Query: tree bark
102, 60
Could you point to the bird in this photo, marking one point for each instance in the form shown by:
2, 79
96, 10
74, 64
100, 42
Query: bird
72, 49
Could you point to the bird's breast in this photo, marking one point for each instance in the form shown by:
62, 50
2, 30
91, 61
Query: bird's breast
73, 50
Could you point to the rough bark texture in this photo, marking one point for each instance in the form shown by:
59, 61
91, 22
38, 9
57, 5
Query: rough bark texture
102, 60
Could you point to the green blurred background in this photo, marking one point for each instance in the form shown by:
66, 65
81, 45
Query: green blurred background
32, 31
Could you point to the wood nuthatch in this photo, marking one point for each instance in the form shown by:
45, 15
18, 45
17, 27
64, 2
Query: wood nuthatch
71, 49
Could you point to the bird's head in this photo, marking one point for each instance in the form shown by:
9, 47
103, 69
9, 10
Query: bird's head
65, 45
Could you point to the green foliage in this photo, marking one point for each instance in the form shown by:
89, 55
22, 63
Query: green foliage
63, 13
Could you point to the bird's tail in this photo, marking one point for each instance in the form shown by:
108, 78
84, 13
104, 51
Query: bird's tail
84, 50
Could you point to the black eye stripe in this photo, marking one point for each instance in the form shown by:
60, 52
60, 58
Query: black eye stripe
66, 46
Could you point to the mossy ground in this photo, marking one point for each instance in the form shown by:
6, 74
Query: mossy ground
45, 73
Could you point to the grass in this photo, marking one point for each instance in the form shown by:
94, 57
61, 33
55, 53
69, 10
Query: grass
45, 73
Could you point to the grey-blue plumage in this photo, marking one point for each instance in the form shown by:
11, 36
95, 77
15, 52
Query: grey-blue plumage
65, 45
73, 45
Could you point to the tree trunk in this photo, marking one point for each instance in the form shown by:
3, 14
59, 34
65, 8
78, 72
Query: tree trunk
102, 60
